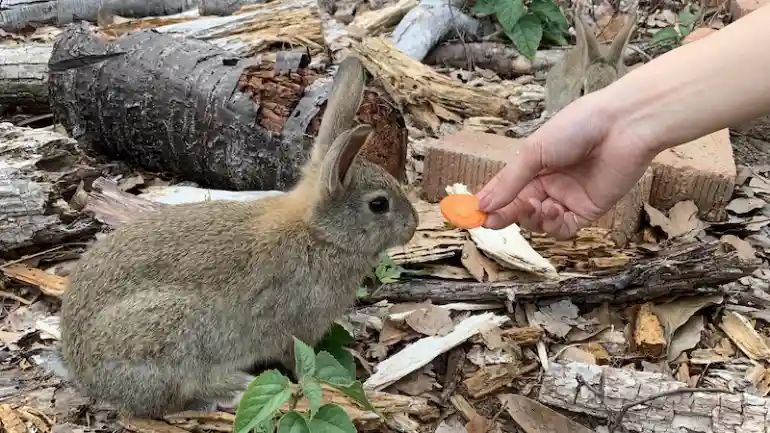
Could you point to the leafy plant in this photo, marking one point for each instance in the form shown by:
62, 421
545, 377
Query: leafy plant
259, 408
673, 35
527, 26
387, 271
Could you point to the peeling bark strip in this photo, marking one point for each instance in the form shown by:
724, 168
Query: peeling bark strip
24, 77
174, 105
687, 269
699, 412
18, 14
38, 173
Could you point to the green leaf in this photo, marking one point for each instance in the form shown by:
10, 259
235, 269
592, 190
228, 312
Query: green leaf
362, 292
509, 12
664, 36
263, 397
357, 394
484, 7
332, 419
329, 370
336, 336
684, 30
687, 18
311, 388
304, 359
526, 36
293, 422
549, 13
554, 35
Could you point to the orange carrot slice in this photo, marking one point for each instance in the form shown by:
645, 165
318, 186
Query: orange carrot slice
462, 210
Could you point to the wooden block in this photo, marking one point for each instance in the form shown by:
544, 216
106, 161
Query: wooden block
625, 217
468, 157
473, 158
702, 170
648, 333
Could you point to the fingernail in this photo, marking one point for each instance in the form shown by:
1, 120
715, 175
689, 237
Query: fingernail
484, 199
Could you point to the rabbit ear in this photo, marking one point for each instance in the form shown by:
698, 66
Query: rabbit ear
340, 157
586, 39
344, 99
618, 47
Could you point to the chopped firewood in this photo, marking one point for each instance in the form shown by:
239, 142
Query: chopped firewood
648, 334
39, 167
418, 88
374, 22
526, 335
49, 284
491, 378
686, 268
423, 351
573, 386
743, 334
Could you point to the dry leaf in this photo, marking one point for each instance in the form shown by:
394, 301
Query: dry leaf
480, 266
682, 220
744, 249
676, 313
430, 320
558, 318
743, 334
598, 351
415, 384
478, 424
535, 417
686, 337
451, 425
573, 353
744, 205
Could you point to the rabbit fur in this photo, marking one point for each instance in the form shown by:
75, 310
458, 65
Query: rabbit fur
587, 67
165, 314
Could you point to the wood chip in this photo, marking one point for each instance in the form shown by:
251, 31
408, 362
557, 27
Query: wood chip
648, 334
49, 284
743, 334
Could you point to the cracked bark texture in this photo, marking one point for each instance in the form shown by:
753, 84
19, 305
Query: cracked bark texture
18, 14
24, 77
223, 7
683, 413
188, 107
38, 173
687, 269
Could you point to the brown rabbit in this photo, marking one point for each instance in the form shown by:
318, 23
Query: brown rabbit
165, 314
587, 67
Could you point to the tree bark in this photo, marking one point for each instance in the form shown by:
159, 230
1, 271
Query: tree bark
699, 412
224, 7
195, 110
24, 77
39, 172
18, 14
687, 269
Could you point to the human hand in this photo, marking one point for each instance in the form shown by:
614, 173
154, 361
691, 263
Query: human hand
568, 173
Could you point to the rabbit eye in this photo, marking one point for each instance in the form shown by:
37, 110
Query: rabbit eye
379, 205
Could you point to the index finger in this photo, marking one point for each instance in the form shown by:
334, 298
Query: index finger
508, 182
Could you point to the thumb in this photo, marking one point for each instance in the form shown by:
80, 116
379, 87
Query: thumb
508, 182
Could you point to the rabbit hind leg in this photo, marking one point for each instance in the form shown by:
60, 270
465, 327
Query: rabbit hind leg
224, 389
144, 390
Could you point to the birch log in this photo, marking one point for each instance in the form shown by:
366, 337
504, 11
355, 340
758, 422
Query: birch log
698, 412
38, 172
24, 77
18, 14
190, 108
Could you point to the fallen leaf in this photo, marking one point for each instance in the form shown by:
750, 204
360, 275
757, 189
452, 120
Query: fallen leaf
535, 417
744, 249
686, 337
743, 334
430, 320
415, 384
597, 351
573, 353
480, 266
682, 220
676, 313
557, 318
451, 425
478, 424
744, 205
